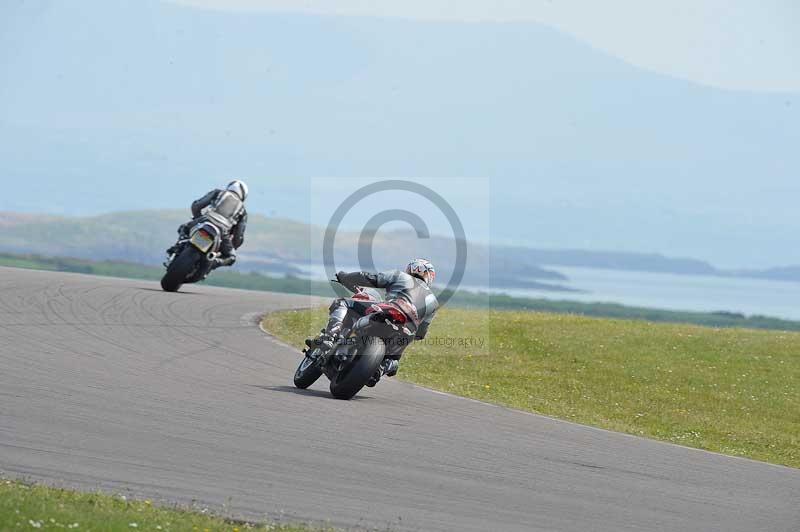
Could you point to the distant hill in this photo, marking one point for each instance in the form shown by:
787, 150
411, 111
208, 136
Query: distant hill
272, 245
142, 237
277, 245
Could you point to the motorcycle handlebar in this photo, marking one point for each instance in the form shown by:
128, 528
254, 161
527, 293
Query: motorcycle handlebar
353, 289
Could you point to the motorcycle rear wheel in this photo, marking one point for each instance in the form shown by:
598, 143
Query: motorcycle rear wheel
349, 382
180, 269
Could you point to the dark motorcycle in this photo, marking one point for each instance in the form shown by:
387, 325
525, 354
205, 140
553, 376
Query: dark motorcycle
359, 351
194, 256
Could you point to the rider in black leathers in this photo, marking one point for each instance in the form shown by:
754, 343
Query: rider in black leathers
409, 291
231, 239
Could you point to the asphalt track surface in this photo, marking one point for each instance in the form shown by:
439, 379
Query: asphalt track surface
113, 384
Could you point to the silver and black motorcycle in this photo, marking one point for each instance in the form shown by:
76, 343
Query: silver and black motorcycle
359, 351
193, 257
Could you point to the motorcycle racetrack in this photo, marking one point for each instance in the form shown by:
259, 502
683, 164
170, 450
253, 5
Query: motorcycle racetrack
116, 385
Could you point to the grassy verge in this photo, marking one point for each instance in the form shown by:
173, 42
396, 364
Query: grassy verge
31, 507
728, 390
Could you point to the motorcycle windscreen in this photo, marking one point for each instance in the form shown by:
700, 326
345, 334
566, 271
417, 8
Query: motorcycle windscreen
202, 240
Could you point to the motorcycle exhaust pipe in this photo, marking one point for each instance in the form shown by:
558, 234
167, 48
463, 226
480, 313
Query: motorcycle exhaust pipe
212, 256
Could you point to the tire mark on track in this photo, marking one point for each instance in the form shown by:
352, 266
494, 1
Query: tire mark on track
212, 344
82, 328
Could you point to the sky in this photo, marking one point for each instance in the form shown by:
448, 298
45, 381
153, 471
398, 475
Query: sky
734, 44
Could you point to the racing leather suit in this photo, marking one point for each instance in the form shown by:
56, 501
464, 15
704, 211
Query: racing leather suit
232, 227
410, 295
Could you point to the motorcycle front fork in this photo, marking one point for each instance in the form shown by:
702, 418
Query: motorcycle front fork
335, 359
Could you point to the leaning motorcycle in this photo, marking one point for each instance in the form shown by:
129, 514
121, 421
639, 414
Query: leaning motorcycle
359, 351
194, 256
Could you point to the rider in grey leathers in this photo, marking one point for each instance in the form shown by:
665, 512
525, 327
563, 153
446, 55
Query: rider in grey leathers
228, 207
409, 291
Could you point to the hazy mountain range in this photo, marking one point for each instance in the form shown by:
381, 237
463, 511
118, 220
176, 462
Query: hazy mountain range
113, 105
289, 247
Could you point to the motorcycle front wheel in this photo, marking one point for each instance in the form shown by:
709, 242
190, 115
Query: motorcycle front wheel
180, 268
307, 372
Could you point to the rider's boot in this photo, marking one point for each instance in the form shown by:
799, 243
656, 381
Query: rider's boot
223, 261
323, 340
216, 263
388, 367
327, 336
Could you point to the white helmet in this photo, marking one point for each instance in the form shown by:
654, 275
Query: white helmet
239, 188
422, 269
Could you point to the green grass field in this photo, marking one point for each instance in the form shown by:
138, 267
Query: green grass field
728, 390
31, 507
